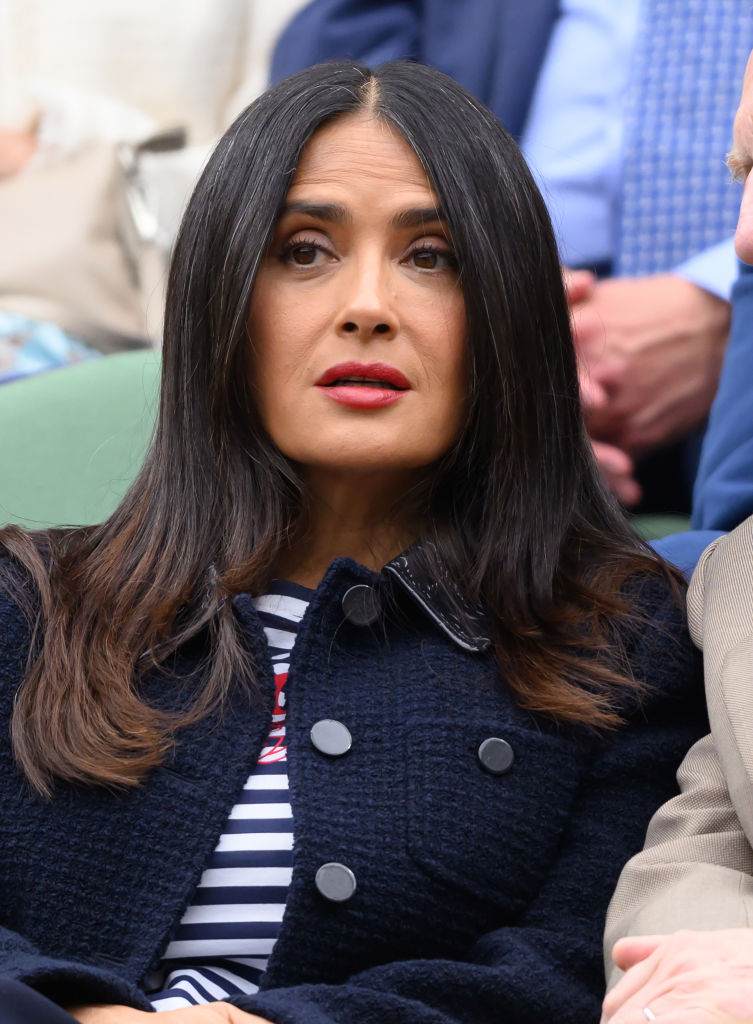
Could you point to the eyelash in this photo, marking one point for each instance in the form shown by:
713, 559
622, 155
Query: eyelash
297, 243
436, 250
290, 246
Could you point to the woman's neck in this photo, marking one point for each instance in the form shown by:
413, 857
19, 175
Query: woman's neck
348, 517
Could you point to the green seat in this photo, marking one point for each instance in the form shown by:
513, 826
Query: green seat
654, 527
73, 439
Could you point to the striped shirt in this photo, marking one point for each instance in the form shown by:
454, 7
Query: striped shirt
226, 935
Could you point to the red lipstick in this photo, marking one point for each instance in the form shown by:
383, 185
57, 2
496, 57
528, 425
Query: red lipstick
363, 385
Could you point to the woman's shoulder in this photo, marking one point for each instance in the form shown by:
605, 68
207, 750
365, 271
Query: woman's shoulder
655, 602
17, 609
661, 591
656, 638
665, 708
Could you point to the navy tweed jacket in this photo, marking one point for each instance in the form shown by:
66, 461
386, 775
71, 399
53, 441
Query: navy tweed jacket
480, 897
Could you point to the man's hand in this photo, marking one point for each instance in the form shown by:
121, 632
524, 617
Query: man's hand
211, 1013
650, 351
616, 466
579, 285
16, 149
617, 470
685, 978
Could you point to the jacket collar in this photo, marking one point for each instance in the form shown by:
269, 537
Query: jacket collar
464, 622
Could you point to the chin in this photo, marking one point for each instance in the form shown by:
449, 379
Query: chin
365, 460
367, 450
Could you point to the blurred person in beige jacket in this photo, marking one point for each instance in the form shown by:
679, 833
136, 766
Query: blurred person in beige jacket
88, 222
681, 921
74, 73
80, 71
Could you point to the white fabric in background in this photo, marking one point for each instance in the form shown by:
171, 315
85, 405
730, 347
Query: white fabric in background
104, 69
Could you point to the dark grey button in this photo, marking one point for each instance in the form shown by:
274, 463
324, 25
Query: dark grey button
154, 981
496, 755
331, 737
361, 605
335, 882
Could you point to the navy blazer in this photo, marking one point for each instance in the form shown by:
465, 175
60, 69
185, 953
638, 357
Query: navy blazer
494, 48
480, 897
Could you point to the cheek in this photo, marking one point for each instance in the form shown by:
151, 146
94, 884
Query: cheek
457, 363
446, 353
444, 363
280, 339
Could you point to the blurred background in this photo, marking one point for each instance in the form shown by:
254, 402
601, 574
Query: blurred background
107, 112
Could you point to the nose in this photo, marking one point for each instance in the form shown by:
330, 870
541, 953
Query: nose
744, 232
369, 309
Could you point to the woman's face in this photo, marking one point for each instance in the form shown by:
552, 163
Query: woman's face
357, 318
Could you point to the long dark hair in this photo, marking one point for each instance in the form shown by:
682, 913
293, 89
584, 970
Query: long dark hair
516, 511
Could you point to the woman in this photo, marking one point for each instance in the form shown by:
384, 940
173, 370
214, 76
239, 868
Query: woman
369, 444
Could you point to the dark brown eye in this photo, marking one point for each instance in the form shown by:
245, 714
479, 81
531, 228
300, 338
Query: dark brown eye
428, 257
303, 255
425, 259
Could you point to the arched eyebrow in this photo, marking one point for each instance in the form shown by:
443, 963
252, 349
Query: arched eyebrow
335, 213
331, 213
418, 216
739, 164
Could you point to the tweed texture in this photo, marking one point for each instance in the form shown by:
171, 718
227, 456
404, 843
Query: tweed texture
480, 898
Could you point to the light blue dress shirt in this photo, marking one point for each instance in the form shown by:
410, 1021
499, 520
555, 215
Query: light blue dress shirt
573, 139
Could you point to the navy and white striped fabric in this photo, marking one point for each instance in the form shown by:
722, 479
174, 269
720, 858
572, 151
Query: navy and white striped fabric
226, 935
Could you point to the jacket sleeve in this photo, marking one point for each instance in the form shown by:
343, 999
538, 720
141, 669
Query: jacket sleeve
547, 966
697, 868
368, 31
65, 982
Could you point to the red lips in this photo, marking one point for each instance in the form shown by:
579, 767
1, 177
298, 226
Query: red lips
366, 372
363, 385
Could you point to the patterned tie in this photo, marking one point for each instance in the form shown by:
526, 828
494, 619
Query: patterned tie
678, 197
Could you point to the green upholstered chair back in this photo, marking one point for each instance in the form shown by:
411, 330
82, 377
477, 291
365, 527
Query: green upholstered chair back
72, 440
654, 527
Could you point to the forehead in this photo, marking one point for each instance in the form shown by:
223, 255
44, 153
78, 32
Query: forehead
360, 152
744, 118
